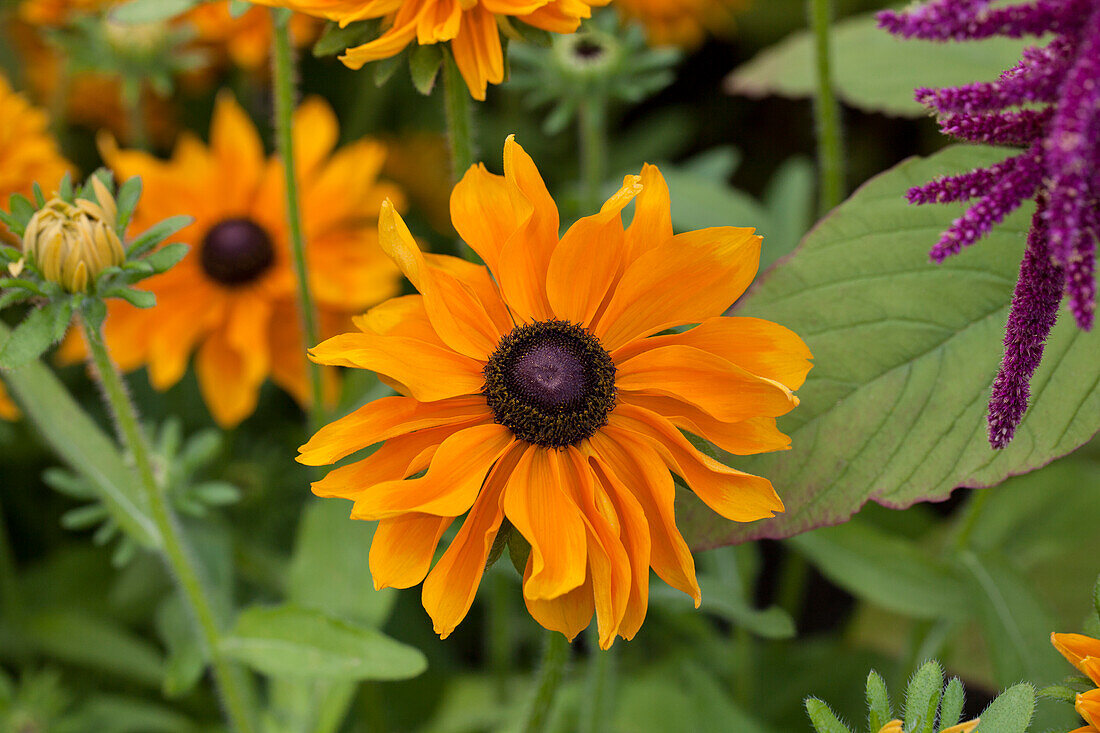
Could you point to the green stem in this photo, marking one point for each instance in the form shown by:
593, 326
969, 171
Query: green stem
599, 687
830, 155
174, 548
460, 122
592, 121
500, 633
550, 674
283, 83
131, 99
970, 518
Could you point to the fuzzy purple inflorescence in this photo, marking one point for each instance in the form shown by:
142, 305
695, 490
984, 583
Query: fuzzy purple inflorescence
1048, 104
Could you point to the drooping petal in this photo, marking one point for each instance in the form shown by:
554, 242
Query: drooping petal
547, 517
761, 347
229, 388
452, 482
402, 549
744, 438
451, 585
1076, 648
486, 210
654, 293
652, 223
384, 419
569, 614
477, 51
737, 496
390, 43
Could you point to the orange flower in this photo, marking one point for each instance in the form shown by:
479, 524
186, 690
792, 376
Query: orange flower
8, 410
683, 23
232, 299
27, 151
470, 26
58, 12
535, 390
247, 38
1083, 652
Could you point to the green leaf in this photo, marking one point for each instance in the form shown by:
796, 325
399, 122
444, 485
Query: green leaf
1010, 713
288, 641
905, 353
85, 640
1061, 693
150, 11
136, 298
336, 40
878, 702
167, 256
424, 65
824, 719
951, 708
21, 208
889, 571
922, 698
37, 332
328, 538
157, 234
186, 660
128, 195
788, 69
81, 444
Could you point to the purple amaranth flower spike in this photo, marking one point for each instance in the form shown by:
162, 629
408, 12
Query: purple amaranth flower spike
1048, 104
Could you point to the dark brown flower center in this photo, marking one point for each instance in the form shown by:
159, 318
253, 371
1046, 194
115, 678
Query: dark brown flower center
551, 383
236, 252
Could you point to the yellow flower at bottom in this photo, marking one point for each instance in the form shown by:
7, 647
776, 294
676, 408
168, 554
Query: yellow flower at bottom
1083, 652
536, 390
897, 726
232, 298
683, 23
470, 26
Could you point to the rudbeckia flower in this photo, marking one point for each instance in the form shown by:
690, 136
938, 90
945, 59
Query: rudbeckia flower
232, 298
1083, 652
246, 39
545, 394
683, 23
470, 26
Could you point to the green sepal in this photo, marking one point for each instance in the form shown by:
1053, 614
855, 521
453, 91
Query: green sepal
9, 253
499, 543
951, 708
136, 298
19, 283
167, 257
384, 69
336, 40
39, 198
922, 698
128, 195
12, 297
41, 329
12, 224
157, 234
1061, 693
519, 549
137, 267
424, 65
65, 188
878, 701
531, 34
823, 718
21, 209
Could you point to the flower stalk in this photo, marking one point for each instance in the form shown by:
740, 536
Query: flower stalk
283, 83
174, 549
830, 158
551, 671
592, 119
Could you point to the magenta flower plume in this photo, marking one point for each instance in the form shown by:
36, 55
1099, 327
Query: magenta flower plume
1049, 105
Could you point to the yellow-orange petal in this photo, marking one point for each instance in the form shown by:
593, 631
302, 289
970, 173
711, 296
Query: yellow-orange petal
652, 222
549, 520
526, 256
429, 372
560, 16
390, 43
397, 458
1076, 648
690, 374
967, 727
568, 614
228, 386
692, 277
761, 347
589, 259
634, 535
438, 21
486, 210
638, 466
405, 315
744, 438
383, 419
737, 496
403, 547
477, 51
452, 482
451, 585
237, 147
1088, 707
316, 132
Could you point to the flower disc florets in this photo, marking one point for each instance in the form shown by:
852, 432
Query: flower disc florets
551, 383
236, 252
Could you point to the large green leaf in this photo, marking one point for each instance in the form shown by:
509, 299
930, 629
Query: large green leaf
905, 354
80, 443
286, 641
897, 67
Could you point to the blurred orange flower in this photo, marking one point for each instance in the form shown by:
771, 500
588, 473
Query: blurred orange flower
246, 40
232, 299
470, 26
683, 23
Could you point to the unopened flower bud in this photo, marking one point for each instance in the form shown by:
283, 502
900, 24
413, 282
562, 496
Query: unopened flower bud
72, 244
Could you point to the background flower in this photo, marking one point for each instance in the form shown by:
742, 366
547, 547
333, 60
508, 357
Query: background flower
683, 23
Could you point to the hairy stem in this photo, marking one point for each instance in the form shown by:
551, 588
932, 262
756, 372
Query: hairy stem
592, 118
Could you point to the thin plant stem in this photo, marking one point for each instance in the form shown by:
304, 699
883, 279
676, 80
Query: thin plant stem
131, 99
970, 518
284, 83
550, 675
830, 156
177, 555
592, 123
458, 108
600, 685
499, 633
